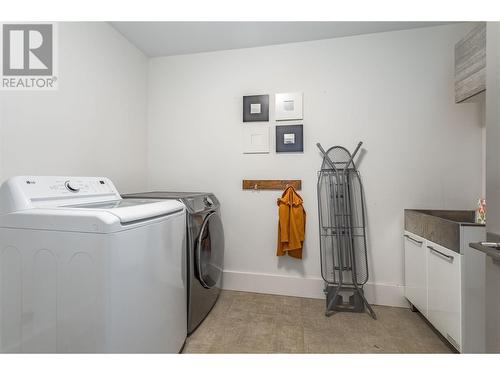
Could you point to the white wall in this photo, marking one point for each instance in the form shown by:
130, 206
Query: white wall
94, 124
393, 91
493, 182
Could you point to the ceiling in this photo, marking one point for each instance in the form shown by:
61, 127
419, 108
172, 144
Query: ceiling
179, 38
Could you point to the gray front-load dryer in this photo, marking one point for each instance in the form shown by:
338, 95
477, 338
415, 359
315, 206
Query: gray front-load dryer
205, 250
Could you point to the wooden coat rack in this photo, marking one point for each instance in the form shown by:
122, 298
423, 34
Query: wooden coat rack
271, 184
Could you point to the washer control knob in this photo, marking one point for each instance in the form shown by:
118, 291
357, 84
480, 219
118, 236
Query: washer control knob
208, 202
71, 186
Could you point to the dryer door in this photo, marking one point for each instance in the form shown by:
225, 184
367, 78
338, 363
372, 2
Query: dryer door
209, 255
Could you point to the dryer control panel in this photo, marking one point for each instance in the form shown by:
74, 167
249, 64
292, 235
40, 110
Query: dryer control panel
24, 192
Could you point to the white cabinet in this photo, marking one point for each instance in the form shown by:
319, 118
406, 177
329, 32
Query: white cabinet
444, 291
448, 287
415, 271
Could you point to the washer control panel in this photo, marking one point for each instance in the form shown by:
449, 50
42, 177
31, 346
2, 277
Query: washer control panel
73, 185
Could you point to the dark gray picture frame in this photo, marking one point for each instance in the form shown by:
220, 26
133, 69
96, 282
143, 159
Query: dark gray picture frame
263, 115
298, 138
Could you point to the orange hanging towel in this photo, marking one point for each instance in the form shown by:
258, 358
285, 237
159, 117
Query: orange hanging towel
292, 224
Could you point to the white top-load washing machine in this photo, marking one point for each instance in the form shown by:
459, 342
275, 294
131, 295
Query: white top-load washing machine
83, 270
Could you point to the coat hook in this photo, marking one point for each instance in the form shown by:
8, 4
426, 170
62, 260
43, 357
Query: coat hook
255, 187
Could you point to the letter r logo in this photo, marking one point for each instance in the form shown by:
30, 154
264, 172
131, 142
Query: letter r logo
27, 49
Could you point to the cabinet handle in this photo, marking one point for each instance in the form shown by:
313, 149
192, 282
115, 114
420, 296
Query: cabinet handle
449, 257
414, 240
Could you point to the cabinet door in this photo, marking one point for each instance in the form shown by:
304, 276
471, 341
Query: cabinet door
416, 271
470, 64
444, 293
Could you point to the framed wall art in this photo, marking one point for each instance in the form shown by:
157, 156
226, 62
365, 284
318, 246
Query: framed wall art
289, 138
255, 139
288, 106
256, 108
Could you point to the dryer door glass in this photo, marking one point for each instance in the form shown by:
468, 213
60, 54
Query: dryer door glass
209, 255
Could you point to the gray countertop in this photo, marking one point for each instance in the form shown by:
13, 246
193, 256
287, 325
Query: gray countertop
492, 252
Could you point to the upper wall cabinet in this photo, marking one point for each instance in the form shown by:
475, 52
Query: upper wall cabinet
470, 64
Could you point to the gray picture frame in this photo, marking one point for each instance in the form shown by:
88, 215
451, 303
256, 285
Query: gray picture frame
289, 138
253, 102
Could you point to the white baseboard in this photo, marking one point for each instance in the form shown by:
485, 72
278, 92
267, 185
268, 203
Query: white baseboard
377, 294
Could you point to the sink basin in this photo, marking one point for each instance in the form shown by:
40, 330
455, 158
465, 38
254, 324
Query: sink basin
439, 226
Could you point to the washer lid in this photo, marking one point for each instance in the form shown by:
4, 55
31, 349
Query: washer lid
129, 210
106, 219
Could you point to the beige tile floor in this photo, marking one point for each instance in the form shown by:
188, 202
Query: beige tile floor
260, 323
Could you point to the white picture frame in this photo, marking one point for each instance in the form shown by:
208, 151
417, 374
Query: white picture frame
288, 106
255, 139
